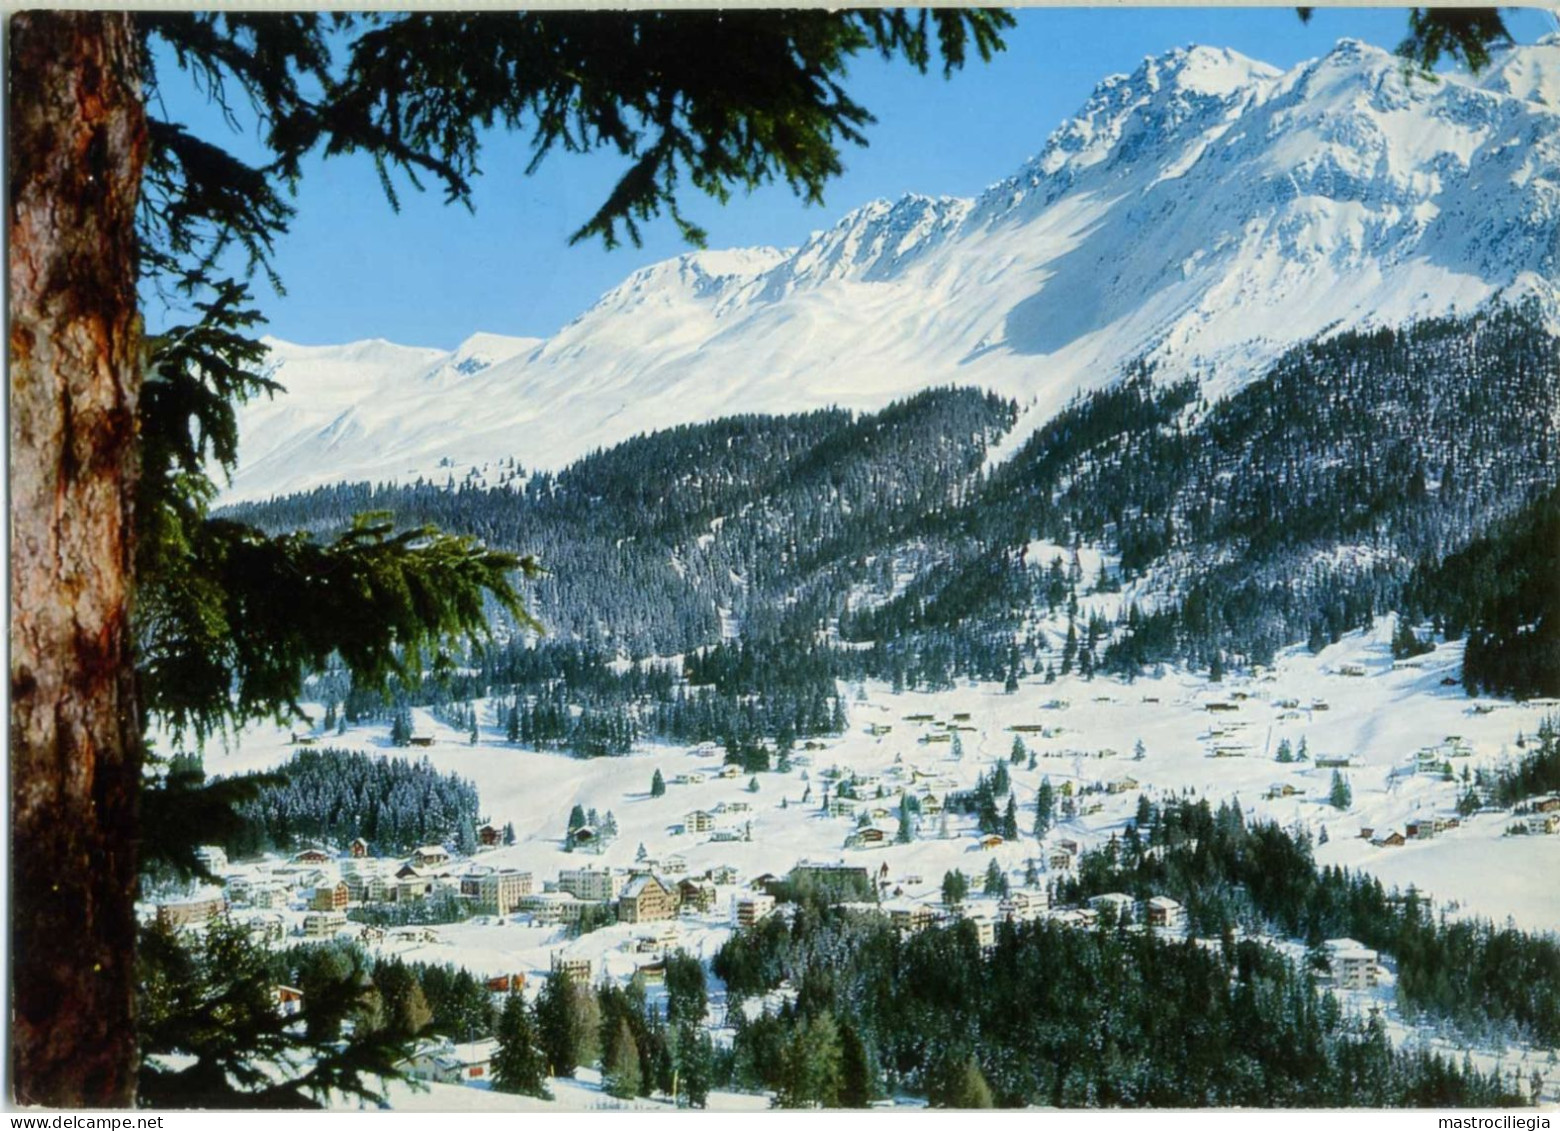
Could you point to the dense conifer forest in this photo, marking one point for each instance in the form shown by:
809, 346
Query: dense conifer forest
1059, 1016
765, 558
329, 797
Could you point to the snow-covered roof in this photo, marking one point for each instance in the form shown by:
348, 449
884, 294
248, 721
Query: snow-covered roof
637, 885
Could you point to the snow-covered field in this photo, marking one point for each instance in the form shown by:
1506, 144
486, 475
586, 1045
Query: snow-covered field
1379, 719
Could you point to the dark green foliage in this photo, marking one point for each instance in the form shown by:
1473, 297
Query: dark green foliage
1500, 591
330, 797
955, 886
1340, 795
621, 1075
558, 1023
1226, 872
213, 997
517, 1065
657, 785
228, 618
1536, 773
1070, 1018
1464, 34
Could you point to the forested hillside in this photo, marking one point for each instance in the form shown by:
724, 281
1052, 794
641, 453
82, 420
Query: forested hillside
835, 545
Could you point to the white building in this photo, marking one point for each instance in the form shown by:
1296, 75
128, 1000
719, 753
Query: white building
323, 924
596, 885
1354, 966
747, 910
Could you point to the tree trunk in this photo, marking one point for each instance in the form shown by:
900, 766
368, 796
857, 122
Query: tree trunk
78, 143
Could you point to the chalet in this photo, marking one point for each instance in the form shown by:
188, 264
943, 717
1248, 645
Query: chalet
1067, 844
601, 885
723, 874
430, 856
178, 913
420, 740
674, 865
1354, 671
412, 884
213, 857
1122, 785
464, 1062
587, 838
646, 898
1059, 860
506, 984
1367, 832
931, 806
500, 892
358, 849
725, 836
699, 821
730, 770
1547, 805
1419, 830
1162, 911
323, 924
878, 730
1333, 761
1282, 789
490, 836
1354, 967
695, 778
1392, 839
738, 807
869, 836
577, 969
311, 856
748, 910
289, 1001
333, 897
1543, 824
696, 895
415, 936
991, 841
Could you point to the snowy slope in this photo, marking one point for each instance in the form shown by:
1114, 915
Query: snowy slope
1207, 210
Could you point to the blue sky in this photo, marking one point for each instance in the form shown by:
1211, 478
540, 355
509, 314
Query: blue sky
434, 274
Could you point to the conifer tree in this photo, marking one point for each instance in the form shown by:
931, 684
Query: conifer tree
518, 1067
620, 1075
1340, 796
109, 196
1045, 806
657, 784
558, 1029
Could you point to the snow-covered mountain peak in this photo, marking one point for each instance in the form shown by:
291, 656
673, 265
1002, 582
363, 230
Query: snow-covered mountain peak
1531, 73
1206, 211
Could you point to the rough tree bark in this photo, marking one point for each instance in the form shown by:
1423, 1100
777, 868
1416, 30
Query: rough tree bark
78, 143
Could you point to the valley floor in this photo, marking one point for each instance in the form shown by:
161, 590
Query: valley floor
1082, 733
